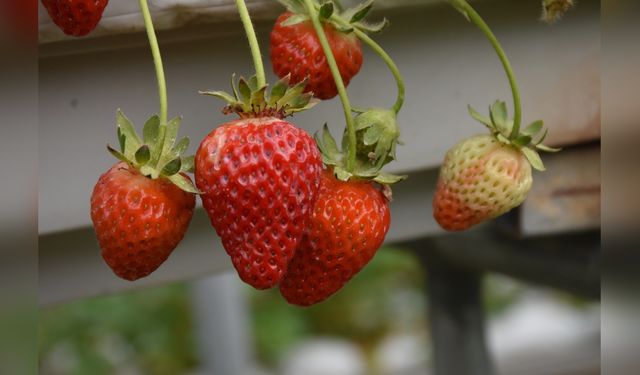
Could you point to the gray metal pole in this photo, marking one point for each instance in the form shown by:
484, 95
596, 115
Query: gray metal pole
457, 319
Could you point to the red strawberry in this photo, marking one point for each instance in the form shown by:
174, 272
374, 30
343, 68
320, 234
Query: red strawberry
142, 206
296, 50
138, 220
75, 17
487, 175
259, 181
348, 225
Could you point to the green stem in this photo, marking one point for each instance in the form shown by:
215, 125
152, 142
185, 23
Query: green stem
390, 63
474, 17
253, 42
157, 60
331, 60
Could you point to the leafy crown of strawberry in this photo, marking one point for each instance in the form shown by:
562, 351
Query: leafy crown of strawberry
528, 140
332, 12
157, 154
249, 99
377, 136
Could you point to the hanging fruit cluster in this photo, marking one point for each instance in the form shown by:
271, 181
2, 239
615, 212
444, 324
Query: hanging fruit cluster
299, 212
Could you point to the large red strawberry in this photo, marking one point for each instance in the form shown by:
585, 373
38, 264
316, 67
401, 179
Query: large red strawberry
348, 225
487, 175
142, 206
296, 50
259, 178
76, 17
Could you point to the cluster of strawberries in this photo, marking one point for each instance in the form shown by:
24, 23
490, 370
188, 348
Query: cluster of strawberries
291, 210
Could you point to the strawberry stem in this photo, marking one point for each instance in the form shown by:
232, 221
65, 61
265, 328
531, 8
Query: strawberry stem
473, 16
157, 60
385, 57
253, 42
342, 92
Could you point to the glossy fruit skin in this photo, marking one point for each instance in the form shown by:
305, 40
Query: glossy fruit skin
296, 49
75, 17
480, 179
348, 225
138, 221
259, 179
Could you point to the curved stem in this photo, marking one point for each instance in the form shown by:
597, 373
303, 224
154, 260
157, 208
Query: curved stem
390, 63
253, 42
331, 60
474, 17
157, 60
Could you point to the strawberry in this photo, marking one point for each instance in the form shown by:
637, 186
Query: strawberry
487, 175
296, 50
75, 17
259, 178
347, 226
142, 206
138, 220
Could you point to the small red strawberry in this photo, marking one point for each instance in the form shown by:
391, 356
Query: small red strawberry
347, 227
259, 178
142, 206
76, 17
487, 175
296, 50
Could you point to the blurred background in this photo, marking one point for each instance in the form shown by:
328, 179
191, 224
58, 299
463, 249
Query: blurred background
517, 296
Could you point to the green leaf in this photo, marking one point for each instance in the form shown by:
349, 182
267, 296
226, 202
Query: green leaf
120, 156
172, 167
522, 140
374, 28
183, 183
498, 113
534, 158
295, 19
389, 179
143, 155
279, 89
480, 118
546, 148
326, 10
360, 12
187, 164
128, 132
533, 128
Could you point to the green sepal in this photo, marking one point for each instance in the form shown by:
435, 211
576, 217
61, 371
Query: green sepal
533, 128
534, 158
172, 167
294, 20
546, 148
294, 6
342, 174
522, 141
373, 28
127, 135
328, 147
389, 179
184, 183
143, 155
120, 156
188, 164
326, 10
359, 12
498, 114
480, 118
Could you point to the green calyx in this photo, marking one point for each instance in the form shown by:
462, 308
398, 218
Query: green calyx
528, 140
249, 100
331, 12
376, 136
157, 154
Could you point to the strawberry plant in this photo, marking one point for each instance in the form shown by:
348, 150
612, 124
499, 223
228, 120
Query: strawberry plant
485, 176
141, 207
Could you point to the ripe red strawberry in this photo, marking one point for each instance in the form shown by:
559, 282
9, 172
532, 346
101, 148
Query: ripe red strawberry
487, 175
259, 178
76, 17
142, 206
348, 225
138, 220
481, 178
296, 50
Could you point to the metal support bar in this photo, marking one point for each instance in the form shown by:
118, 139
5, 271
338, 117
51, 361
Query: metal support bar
457, 319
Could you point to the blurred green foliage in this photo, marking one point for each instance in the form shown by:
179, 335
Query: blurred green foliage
147, 332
